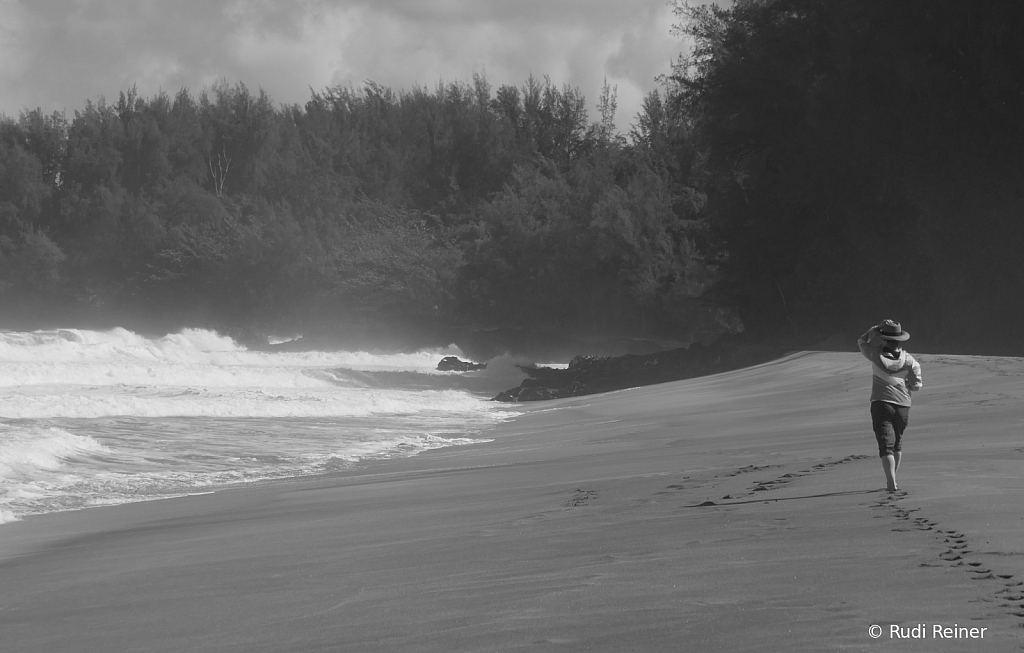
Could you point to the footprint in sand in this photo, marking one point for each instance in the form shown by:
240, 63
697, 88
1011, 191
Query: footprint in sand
957, 543
774, 484
579, 498
750, 468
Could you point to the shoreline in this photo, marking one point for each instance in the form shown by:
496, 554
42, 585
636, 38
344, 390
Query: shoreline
585, 524
138, 509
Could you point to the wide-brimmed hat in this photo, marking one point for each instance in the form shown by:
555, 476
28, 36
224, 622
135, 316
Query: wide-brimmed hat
891, 330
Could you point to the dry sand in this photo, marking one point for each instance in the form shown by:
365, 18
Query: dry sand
580, 528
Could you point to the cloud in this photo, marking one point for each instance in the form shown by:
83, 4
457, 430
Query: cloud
58, 53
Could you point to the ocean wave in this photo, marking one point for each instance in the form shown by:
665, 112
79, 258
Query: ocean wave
24, 450
191, 347
104, 417
79, 373
31, 455
48, 469
242, 402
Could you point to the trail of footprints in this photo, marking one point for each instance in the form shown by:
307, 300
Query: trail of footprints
1009, 597
764, 486
958, 554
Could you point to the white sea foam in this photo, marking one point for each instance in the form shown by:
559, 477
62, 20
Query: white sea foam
93, 418
189, 347
49, 469
27, 449
57, 402
31, 456
76, 373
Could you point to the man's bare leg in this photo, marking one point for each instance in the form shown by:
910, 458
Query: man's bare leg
897, 456
889, 467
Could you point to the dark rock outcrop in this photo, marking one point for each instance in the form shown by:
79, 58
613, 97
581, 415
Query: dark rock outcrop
455, 364
593, 374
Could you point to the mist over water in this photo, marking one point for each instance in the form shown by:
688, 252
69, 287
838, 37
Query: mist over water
93, 418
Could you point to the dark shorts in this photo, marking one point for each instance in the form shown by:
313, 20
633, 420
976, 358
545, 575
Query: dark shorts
889, 421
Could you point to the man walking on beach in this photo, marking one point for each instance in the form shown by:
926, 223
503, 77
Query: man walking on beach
895, 374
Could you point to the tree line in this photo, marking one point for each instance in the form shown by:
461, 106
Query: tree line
458, 205
810, 167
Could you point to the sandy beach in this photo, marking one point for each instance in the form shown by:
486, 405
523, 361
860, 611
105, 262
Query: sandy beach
738, 512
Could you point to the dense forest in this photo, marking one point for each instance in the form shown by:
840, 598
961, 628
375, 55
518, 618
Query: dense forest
811, 167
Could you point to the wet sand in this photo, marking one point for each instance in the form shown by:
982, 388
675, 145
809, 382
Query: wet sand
738, 512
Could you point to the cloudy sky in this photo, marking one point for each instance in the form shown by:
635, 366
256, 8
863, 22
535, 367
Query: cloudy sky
55, 54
